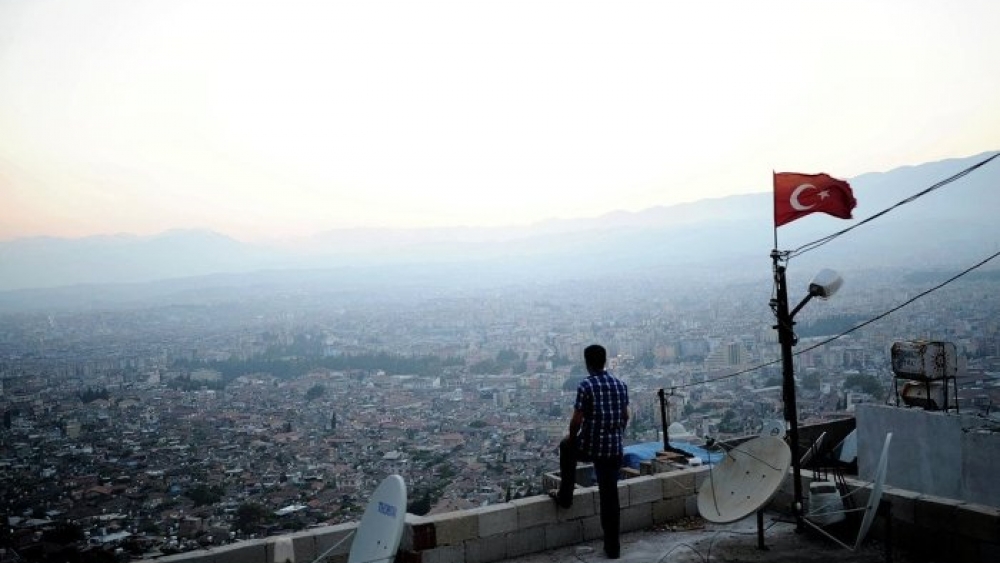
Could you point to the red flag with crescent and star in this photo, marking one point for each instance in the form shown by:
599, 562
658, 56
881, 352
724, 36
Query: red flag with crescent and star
797, 195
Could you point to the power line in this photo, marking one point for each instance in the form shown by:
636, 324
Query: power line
848, 331
901, 305
820, 242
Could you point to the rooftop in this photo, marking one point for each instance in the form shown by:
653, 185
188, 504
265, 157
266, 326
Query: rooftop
695, 540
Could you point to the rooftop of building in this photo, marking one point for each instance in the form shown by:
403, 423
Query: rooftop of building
694, 540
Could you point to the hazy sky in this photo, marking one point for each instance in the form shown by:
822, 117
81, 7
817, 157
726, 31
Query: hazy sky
281, 118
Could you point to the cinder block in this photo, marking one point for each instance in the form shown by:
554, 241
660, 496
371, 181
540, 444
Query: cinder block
444, 554
197, 556
700, 474
496, 519
668, 510
534, 511
281, 549
903, 503
524, 541
989, 552
678, 484
253, 551
644, 490
584, 504
412, 521
419, 536
592, 528
936, 513
623, 493
306, 545
486, 550
691, 506
454, 528
638, 517
979, 522
563, 533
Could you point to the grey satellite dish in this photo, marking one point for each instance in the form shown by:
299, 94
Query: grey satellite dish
871, 506
847, 450
745, 480
876, 495
381, 527
774, 428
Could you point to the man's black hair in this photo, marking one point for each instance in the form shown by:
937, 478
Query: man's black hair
595, 356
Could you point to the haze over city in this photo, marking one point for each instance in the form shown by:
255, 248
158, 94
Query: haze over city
268, 120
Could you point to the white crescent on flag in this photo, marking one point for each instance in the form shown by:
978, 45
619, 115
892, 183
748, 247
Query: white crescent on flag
794, 200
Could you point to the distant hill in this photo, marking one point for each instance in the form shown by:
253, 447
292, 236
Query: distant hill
729, 236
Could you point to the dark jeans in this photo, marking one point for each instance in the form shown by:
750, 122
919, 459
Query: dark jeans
606, 469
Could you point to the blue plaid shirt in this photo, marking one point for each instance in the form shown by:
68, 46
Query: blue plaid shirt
603, 400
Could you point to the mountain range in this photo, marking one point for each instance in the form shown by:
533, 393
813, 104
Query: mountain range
952, 226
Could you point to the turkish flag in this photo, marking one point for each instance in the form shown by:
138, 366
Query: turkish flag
798, 195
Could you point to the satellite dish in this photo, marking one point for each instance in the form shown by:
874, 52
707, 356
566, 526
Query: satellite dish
745, 480
847, 450
873, 499
871, 507
774, 428
381, 528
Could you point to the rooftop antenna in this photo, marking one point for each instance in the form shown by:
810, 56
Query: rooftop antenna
377, 537
665, 420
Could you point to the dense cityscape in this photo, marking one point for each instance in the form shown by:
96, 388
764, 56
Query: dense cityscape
130, 432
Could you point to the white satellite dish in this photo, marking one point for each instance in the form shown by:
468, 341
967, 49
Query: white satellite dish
745, 480
876, 495
774, 428
871, 506
381, 528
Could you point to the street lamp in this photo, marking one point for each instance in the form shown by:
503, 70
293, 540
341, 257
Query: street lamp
824, 285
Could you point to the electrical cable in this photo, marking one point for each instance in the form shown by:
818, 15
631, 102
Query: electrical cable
820, 242
680, 545
848, 331
901, 305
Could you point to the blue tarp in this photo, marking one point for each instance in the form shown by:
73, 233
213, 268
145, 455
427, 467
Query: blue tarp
648, 450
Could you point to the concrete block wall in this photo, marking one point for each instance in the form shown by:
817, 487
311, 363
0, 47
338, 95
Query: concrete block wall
487, 534
925, 527
534, 524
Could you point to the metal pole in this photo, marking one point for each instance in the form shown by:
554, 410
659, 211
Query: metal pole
663, 419
786, 338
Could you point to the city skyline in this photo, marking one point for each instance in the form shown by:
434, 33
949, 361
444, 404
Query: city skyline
261, 123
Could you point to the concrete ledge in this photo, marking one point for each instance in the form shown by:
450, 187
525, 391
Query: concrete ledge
936, 513
453, 528
584, 504
486, 550
491, 533
637, 517
979, 522
525, 541
534, 511
496, 519
563, 534
644, 490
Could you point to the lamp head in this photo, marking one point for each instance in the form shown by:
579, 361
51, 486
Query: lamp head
825, 284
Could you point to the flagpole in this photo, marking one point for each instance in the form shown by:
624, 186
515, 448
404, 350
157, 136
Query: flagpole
786, 337
774, 209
